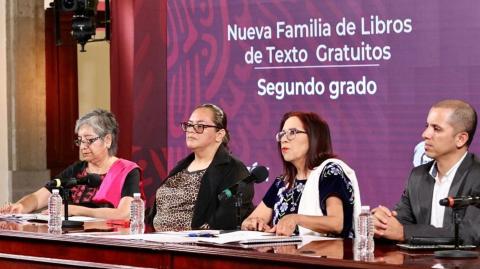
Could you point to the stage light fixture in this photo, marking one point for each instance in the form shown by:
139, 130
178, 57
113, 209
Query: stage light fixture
69, 5
84, 20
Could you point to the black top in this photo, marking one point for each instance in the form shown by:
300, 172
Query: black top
83, 195
224, 171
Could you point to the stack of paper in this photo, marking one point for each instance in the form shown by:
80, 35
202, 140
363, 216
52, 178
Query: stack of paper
251, 237
211, 236
41, 217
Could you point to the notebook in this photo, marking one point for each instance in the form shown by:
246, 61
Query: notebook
433, 247
271, 239
251, 238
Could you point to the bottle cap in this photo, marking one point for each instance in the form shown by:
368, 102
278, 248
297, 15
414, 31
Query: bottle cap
136, 195
55, 191
365, 208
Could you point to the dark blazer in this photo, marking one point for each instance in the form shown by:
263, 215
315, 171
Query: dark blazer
414, 208
223, 172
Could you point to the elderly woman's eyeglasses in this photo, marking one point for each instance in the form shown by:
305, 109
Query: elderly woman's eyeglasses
87, 141
197, 127
290, 133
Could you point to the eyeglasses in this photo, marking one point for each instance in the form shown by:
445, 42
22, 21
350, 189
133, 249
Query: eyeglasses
88, 141
291, 134
197, 127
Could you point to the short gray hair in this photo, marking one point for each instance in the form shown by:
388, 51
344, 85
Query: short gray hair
103, 123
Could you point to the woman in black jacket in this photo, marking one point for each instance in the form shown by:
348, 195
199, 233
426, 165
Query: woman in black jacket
187, 199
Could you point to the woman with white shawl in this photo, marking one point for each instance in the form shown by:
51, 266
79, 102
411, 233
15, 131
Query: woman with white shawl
317, 193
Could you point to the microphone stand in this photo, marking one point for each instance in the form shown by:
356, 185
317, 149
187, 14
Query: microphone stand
68, 223
237, 196
238, 205
456, 253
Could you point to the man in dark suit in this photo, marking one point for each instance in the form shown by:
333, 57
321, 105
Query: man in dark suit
454, 171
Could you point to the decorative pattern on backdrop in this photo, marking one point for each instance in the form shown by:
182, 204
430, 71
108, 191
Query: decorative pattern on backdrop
428, 53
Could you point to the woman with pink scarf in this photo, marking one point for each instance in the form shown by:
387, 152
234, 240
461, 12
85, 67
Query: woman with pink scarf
117, 179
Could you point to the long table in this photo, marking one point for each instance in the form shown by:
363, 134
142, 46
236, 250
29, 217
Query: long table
29, 245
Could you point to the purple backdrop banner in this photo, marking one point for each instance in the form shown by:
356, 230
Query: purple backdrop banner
371, 68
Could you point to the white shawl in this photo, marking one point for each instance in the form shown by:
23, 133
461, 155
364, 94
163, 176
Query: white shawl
310, 200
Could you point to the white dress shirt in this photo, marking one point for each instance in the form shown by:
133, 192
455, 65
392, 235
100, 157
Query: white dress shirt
440, 191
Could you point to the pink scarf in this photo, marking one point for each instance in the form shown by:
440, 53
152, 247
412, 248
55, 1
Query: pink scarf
111, 188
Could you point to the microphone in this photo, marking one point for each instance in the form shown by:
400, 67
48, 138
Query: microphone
257, 175
459, 202
91, 180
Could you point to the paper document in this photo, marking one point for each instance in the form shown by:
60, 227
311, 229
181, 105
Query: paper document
194, 233
44, 217
152, 237
250, 237
82, 218
210, 236
17, 217
257, 238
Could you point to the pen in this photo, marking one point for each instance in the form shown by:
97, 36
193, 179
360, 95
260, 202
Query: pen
201, 235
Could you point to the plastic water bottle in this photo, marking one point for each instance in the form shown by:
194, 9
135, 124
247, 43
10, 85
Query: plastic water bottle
359, 255
137, 215
55, 213
364, 230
